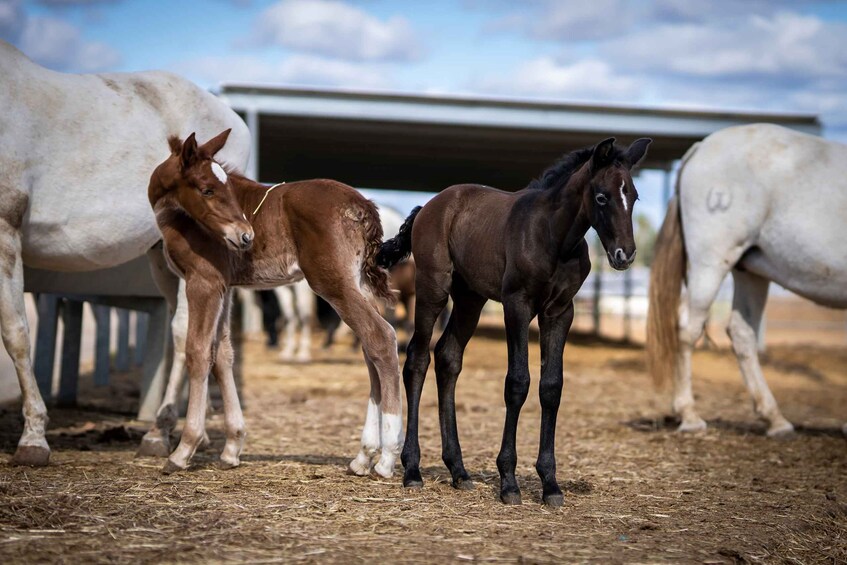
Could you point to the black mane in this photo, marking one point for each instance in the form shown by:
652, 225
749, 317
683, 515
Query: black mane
560, 172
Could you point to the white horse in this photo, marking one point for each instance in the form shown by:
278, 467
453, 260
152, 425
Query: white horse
297, 302
76, 153
766, 204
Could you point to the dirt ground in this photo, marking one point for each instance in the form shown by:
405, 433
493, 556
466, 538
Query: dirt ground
636, 492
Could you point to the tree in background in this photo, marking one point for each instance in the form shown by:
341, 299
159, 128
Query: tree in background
645, 240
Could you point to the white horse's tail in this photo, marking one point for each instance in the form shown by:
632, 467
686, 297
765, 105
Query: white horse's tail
666, 275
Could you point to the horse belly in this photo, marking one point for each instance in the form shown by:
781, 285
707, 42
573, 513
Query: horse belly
819, 280
57, 248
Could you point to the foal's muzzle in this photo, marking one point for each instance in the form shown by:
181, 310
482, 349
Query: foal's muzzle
620, 260
240, 238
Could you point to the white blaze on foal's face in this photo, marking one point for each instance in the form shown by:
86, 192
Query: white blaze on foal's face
219, 172
623, 196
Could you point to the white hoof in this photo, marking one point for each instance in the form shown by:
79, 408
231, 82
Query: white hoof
361, 465
781, 430
384, 469
691, 426
304, 358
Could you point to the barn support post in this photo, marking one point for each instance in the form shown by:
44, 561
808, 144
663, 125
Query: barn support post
142, 320
102, 346
71, 341
47, 306
122, 355
627, 314
667, 185
154, 368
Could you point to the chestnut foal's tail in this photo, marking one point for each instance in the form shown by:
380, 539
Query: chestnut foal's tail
400, 246
373, 275
666, 276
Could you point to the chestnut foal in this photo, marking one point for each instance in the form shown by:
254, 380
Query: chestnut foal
322, 230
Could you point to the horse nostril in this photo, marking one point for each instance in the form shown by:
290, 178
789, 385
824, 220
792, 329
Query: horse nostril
246, 238
620, 255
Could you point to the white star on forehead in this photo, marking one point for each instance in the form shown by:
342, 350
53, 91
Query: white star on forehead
219, 172
623, 196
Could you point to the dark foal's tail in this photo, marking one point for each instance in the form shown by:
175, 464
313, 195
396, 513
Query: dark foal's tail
373, 275
400, 246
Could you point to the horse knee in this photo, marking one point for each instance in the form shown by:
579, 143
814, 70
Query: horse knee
517, 388
550, 393
743, 337
448, 363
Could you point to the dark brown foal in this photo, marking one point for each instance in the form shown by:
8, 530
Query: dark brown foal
322, 230
527, 250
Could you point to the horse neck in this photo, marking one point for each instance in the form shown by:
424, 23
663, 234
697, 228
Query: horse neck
569, 219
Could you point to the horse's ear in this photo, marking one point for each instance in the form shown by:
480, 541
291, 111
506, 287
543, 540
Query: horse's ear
175, 144
189, 151
602, 154
636, 152
211, 147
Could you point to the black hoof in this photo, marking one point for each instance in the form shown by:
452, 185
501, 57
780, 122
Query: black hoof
553, 500
463, 484
31, 456
412, 479
510, 498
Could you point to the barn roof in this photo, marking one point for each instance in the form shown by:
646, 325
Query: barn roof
428, 142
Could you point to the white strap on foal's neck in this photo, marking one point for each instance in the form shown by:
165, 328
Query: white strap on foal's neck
268, 191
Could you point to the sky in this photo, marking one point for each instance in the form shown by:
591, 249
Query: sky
763, 55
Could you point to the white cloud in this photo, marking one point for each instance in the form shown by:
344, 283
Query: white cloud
336, 29
587, 79
59, 45
52, 42
784, 46
303, 70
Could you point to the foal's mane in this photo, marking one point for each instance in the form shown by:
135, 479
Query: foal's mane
559, 173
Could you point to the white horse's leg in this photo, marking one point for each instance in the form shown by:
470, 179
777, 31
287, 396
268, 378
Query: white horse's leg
363, 463
748, 304
32, 447
702, 288
157, 442
286, 304
305, 312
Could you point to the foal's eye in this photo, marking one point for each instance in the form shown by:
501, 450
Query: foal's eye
207, 192
601, 199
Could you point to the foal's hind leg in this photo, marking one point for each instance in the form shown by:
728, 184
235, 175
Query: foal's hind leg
448, 364
157, 441
363, 463
222, 369
432, 291
748, 303
379, 343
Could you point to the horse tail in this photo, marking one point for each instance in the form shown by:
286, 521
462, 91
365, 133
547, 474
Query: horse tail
400, 246
373, 275
666, 275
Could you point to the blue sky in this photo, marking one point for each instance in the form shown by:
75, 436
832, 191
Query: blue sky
767, 55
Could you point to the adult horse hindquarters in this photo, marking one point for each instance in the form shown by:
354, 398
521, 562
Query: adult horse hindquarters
72, 193
321, 230
767, 204
527, 250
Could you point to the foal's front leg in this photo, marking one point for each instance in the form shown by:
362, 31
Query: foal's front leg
204, 310
518, 314
554, 332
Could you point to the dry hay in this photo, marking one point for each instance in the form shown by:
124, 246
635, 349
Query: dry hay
636, 491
